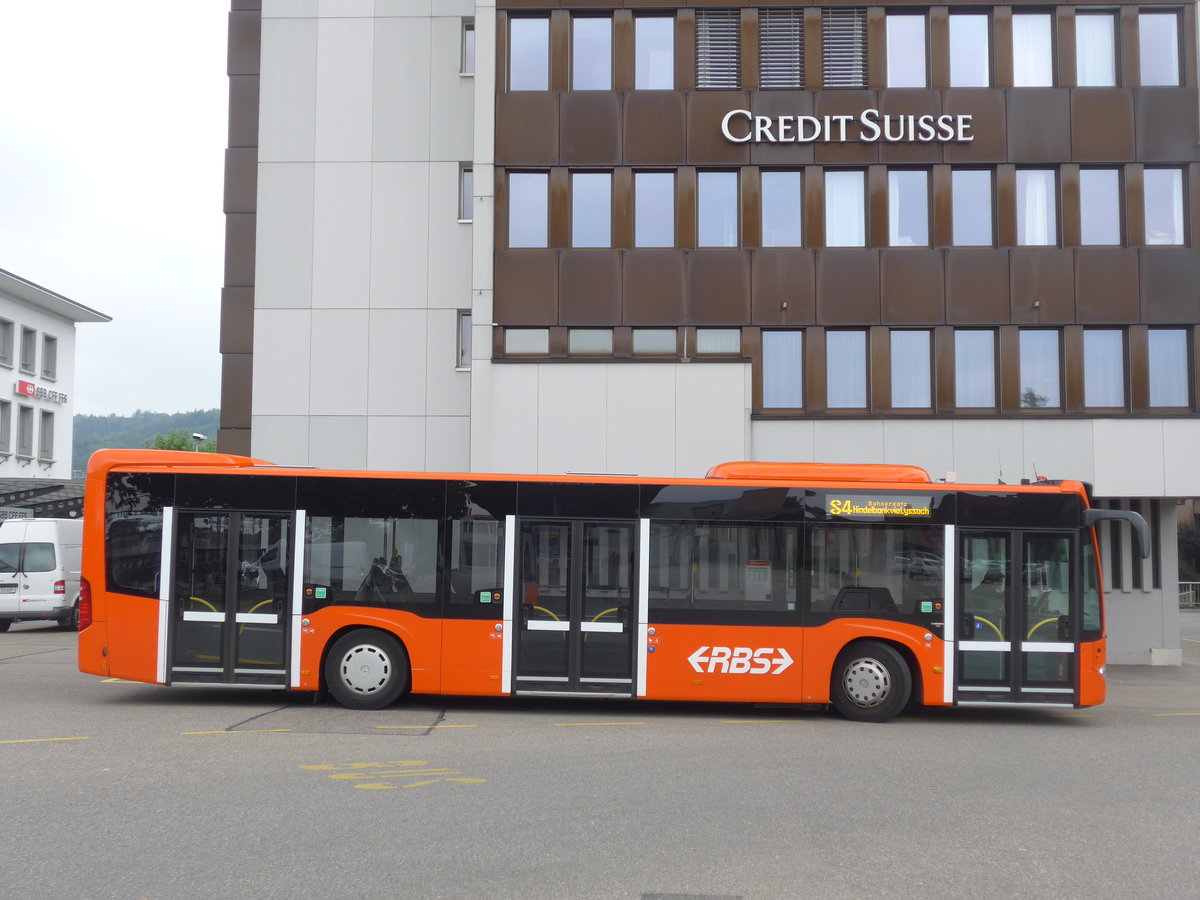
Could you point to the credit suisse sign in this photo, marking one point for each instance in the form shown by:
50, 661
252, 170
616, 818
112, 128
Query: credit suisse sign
37, 392
742, 126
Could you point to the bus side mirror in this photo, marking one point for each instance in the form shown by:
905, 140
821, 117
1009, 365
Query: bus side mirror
1141, 531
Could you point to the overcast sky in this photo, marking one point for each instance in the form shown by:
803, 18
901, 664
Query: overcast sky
112, 136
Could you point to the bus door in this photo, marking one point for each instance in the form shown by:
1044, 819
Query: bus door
575, 608
1016, 620
228, 604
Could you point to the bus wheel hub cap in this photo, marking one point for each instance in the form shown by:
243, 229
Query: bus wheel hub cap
867, 683
365, 669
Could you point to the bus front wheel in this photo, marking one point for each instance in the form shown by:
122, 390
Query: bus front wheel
366, 669
871, 682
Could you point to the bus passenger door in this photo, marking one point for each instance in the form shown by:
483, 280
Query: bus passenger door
229, 598
575, 608
1015, 626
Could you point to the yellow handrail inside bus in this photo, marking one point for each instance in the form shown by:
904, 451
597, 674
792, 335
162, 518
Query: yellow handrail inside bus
605, 613
1039, 625
547, 612
205, 602
992, 625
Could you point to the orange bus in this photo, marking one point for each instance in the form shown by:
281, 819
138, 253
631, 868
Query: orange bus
862, 586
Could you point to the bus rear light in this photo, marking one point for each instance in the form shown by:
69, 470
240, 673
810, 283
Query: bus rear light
60, 587
85, 604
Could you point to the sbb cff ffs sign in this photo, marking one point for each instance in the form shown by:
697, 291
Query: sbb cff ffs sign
37, 392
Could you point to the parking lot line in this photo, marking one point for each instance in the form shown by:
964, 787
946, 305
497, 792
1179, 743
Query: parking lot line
44, 740
244, 731
583, 724
426, 727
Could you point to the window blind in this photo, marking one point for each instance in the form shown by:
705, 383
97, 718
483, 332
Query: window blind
781, 48
718, 48
844, 41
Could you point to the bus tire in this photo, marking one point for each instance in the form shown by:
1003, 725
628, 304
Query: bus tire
366, 669
871, 682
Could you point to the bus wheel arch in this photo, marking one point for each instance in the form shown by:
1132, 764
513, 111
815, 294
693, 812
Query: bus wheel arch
366, 668
872, 681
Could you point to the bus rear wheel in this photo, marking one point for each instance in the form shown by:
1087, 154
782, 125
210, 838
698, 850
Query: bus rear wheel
871, 682
366, 669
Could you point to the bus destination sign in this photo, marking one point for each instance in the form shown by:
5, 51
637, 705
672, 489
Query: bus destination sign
875, 507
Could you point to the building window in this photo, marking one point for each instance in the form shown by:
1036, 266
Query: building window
529, 54
28, 351
970, 49
1099, 207
718, 341
590, 341
25, 431
781, 48
974, 369
1168, 367
1037, 214
654, 53
718, 48
844, 42
1103, 367
1033, 50
782, 209
845, 209
906, 51
717, 213
783, 369
464, 339
1164, 206
655, 342
591, 53
911, 382
654, 209
46, 437
49, 357
528, 209
1039, 369
1158, 39
846, 369
591, 209
466, 190
908, 208
971, 207
1095, 49
7, 340
527, 341
467, 66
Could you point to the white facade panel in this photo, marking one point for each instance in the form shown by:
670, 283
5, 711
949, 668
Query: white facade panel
338, 442
1181, 438
338, 370
273, 9
932, 442
405, 7
783, 441
448, 391
397, 443
281, 362
449, 241
572, 410
399, 240
395, 382
452, 94
712, 416
284, 236
401, 103
1058, 448
851, 442
341, 235
287, 89
1129, 458
989, 451
448, 441
280, 439
345, 50
345, 7
504, 418
640, 439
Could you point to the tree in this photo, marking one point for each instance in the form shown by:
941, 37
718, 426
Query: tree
180, 439
1031, 399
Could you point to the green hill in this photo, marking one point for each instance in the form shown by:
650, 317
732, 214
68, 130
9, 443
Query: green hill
98, 432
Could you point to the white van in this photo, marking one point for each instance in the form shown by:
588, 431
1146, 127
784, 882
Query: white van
39, 570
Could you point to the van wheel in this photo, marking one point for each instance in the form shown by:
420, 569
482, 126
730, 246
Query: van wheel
871, 682
4, 623
70, 622
366, 669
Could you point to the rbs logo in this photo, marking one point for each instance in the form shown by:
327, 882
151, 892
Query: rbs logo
740, 660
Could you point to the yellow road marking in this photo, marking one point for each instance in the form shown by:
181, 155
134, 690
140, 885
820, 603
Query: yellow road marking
425, 727
247, 731
591, 724
45, 740
1166, 715
117, 681
757, 721
1190, 640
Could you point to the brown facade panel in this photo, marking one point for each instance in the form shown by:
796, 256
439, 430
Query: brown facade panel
589, 286
237, 320
706, 145
1106, 285
654, 128
653, 287
1101, 124
1167, 123
239, 249
846, 103
245, 37
236, 376
241, 179
847, 287
243, 110
526, 288
910, 103
718, 288
1170, 285
782, 287
1039, 125
781, 103
527, 128
989, 128
1042, 284
912, 287
591, 128
977, 287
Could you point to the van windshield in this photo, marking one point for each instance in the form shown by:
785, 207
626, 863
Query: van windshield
10, 555
39, 558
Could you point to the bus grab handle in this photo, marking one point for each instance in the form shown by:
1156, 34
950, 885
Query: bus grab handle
1141, 531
